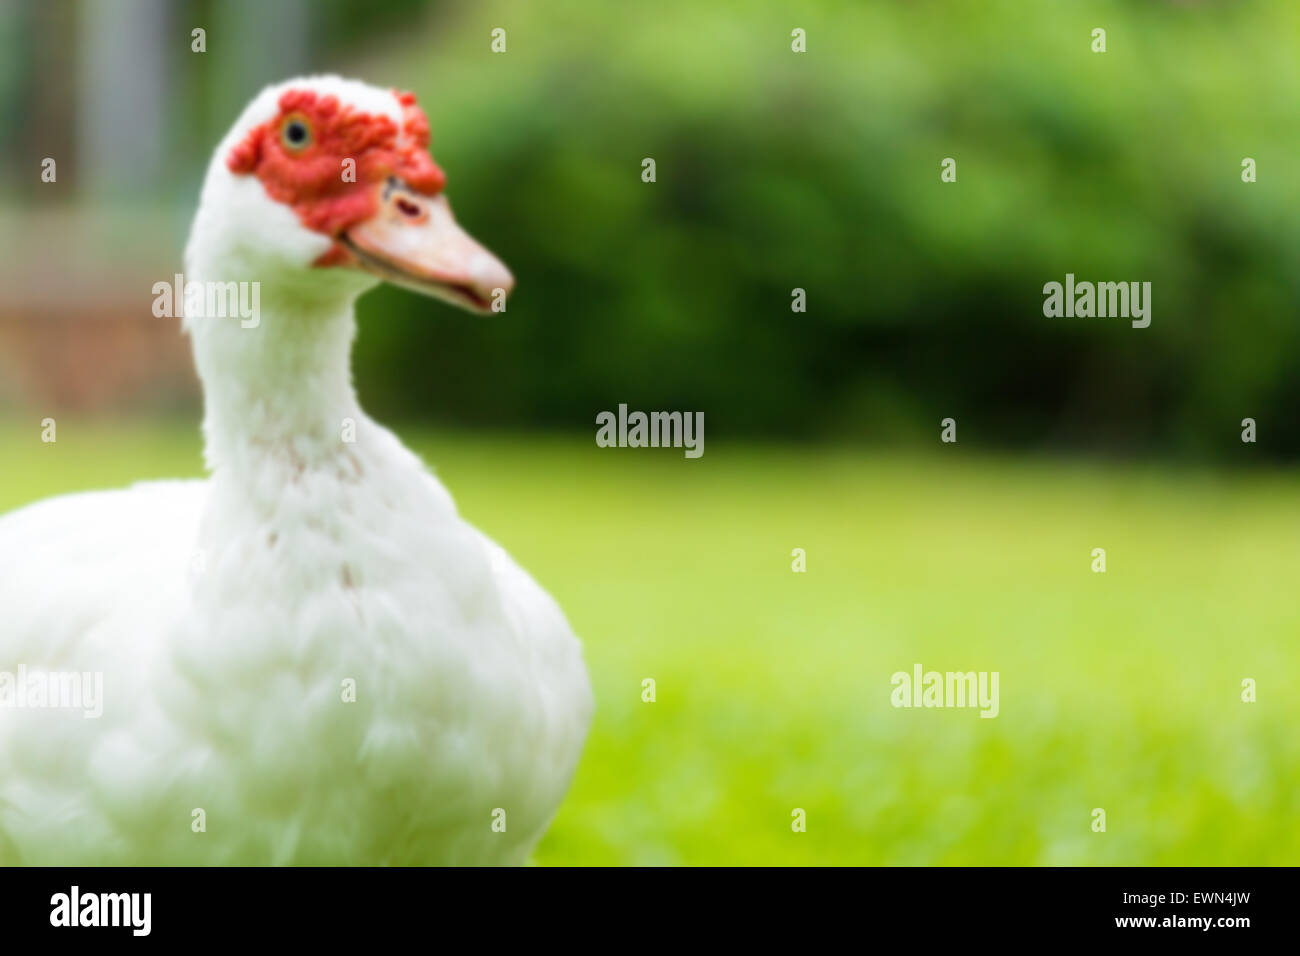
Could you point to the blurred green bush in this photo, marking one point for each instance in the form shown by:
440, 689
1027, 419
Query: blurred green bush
816, 170
779, 170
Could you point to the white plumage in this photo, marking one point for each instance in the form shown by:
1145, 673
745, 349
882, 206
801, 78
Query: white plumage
228, 615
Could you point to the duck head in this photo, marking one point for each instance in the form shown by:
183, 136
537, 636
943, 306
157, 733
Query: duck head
325, 186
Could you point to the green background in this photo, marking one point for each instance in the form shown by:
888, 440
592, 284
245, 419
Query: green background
818, 171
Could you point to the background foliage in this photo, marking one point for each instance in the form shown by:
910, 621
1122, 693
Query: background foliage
821, 171
818, 171
776, 171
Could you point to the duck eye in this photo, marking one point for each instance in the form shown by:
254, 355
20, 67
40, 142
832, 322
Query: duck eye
295, 135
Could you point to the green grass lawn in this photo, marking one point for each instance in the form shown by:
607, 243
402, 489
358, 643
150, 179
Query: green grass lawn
1118, 690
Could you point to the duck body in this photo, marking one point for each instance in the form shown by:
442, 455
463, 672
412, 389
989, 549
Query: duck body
307, 658
340, 670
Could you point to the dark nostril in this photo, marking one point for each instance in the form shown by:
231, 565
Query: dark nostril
409, 208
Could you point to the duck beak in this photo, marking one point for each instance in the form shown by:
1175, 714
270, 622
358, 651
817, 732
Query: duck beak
414, 241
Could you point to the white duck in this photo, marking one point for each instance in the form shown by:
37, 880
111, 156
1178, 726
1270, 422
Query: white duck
229, 616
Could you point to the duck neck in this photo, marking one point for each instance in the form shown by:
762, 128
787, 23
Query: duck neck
277, 391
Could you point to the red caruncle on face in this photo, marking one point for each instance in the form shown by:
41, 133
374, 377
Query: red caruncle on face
301, 159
